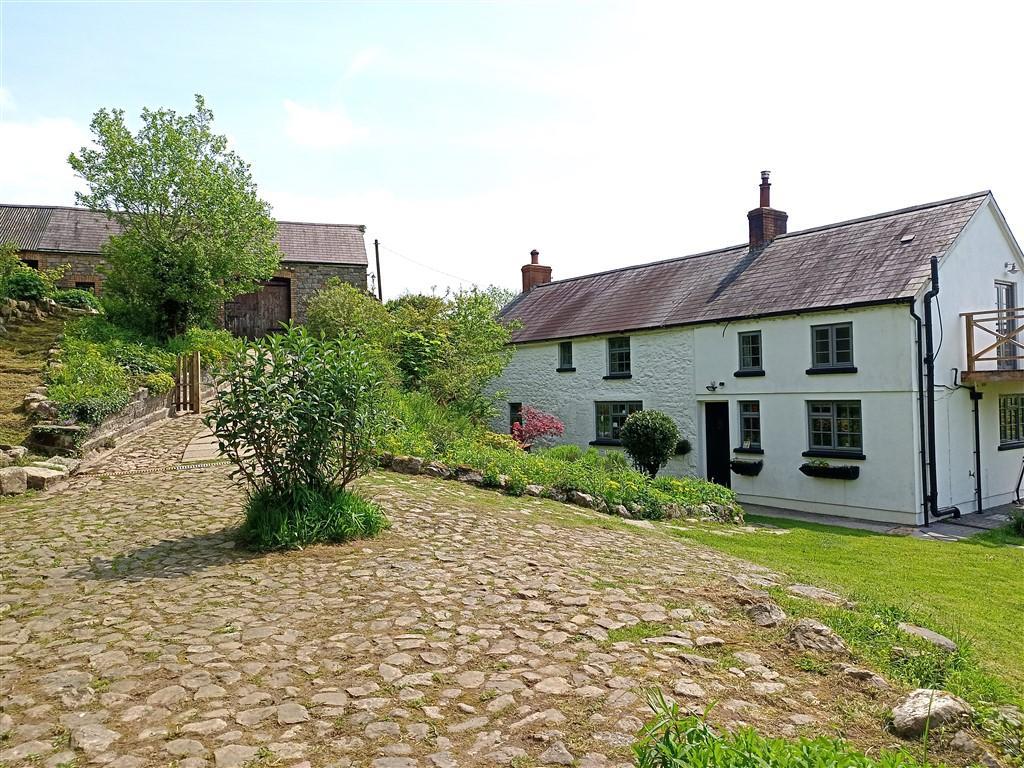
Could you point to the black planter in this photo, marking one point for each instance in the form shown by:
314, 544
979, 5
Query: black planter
835, 471
747, 468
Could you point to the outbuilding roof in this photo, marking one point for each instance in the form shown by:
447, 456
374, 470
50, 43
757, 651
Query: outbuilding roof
57, 229
872, 260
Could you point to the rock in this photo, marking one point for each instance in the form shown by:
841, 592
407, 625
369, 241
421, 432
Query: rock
185, 748
93, 738
556, 754
821, 595
698, 661
167, 696
437, 469
41, 478
688, 688
766, 614
939, 641
407, 465
470, 679
24, 750
554, 685
468, 475
13, 480
234, 756
707, 641
811, 635
927, 707
864, 675
621, 511
581, 499
965, 744
291, 713
534, 490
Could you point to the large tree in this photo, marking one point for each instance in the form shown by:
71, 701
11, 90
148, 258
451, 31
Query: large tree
194, 233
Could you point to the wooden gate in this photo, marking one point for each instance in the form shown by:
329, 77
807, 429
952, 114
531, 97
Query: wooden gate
187, 383
256, 314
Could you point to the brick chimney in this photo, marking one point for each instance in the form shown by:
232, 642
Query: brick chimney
534, 273
766, 223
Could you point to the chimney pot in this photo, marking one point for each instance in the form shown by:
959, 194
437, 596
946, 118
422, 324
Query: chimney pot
534, 273
766, 223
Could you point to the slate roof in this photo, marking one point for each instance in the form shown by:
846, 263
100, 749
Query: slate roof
78, 230
858, 262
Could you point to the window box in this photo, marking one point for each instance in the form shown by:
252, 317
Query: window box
606, 441
618, 375
833, 471
838, 369
825, 453
746, 468
565, 370
757, 451
741, 374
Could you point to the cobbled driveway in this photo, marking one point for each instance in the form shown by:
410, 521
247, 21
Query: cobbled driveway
479, 630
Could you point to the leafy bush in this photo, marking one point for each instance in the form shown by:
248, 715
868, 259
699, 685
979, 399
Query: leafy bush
649, 438
25, 285
299, 515
87, 386
566, 452
675, 740
301, 418
536, 425
77, 298
1017, 522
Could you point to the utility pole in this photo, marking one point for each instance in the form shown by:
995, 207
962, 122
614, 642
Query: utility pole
380, 287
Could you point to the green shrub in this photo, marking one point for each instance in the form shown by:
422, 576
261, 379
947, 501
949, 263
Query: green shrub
567, 452
298, 516
675, 740
1017, 522
212, 345
86, 385
427, 430
26, 285
649, 438
300, 417
77, 298
157, 383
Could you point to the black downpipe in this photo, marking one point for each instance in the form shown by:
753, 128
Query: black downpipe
929, 367
922, 432
976, 398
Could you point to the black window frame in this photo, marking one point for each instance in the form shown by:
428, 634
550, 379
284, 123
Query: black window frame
834, 417
627, 407
616, 368
1011, 425
85, 285
565, 360
749, 412
749, 368
515, 415
832, 364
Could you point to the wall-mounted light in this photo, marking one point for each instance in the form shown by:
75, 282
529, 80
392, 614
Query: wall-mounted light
1011, 267
713, 385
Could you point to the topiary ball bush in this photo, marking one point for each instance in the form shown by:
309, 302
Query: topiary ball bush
649, 438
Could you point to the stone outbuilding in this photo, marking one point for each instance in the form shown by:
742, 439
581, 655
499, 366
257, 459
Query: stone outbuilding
311, 253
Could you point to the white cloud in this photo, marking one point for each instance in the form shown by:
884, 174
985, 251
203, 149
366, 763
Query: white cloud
34, 158
317, 128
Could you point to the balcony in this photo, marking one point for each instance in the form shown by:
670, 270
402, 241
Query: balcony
995, 346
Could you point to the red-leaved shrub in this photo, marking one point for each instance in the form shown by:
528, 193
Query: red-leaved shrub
536, 425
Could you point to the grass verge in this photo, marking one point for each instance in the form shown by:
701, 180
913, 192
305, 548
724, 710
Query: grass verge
22, 360
972, 590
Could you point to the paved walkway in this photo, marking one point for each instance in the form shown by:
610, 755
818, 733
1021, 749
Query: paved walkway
479, 630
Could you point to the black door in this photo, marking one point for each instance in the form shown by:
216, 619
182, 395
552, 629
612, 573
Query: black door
716, 442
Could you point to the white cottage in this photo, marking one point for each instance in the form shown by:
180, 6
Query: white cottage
872, 368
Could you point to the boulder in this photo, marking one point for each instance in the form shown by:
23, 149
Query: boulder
819, 594
811, 635
407, 465
13, 480
581, 499
939, 641
621, 511
928, 708
466, 474
534, 490
437, 469
41, 478
766, 614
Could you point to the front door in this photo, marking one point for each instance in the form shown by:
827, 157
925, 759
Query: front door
716, 442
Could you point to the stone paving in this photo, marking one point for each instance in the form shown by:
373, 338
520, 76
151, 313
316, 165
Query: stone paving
478, 630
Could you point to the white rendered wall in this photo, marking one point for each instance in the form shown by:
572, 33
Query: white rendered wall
967, 277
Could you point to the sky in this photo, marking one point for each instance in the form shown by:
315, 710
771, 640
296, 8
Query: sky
603, 134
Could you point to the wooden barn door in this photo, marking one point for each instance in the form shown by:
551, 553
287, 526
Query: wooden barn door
252, 315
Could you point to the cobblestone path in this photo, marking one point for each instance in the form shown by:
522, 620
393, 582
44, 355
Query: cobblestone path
478, 630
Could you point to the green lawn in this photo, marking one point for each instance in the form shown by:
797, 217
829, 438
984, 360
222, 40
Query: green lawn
972, 589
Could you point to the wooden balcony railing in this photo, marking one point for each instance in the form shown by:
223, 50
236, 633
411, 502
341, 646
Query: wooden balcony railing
995, 344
